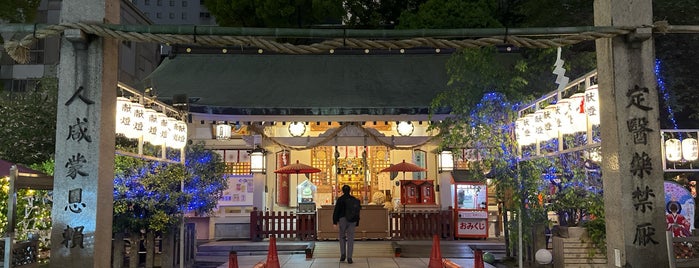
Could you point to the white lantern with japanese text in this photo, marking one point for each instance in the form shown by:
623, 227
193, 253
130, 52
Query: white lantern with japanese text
150, 126
550, 121
565, 124
673, 150
521, 132
170, 136
592, 105
690, 150
540, 132
123, 115
178, 134
162, 130
577, 112
137, 120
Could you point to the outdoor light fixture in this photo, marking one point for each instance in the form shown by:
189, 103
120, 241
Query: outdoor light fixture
690, 149
405, 128
258, 163
445, 161
150, 126
673, 150
592, 105
223, 131
123, 115
178, 134
297, 129
137, 120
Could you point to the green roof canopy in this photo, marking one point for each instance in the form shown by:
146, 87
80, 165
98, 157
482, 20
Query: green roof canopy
249, 84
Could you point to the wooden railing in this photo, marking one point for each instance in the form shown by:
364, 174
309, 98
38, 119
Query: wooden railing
409, 225
421, 225
684, 251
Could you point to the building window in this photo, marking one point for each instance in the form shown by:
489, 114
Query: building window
172, 3
160, 2
158, 15
147, 14
172, 16
184, 3
134, 2
205, 15
184, 15
146, 2
201, 2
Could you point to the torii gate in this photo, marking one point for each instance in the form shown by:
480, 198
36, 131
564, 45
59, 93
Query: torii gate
634, 199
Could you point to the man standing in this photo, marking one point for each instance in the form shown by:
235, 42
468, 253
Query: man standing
346, 213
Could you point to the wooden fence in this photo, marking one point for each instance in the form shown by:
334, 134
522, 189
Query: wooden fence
411, 225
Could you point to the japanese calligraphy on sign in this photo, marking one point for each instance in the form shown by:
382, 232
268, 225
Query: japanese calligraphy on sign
73, 236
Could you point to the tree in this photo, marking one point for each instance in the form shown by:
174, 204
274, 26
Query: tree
28, 123
271, 13
18, 11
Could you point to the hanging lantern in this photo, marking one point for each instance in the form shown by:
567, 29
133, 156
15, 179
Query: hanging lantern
530, 128
223, 131
150, 126
170, 140
540, 133
519, 132
258, 160
551, 122
592, 105
178, 133
577, 112
673, 150
445, 161
123, 115
137, 119
297, 129
162, 131
690, 150
563, 118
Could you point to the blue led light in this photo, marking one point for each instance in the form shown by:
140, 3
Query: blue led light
663, 92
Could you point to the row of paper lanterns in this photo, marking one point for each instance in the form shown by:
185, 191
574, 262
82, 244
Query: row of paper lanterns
686, 149
134, 121
568, 116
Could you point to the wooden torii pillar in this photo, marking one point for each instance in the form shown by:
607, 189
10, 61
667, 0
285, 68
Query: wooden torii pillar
634, 197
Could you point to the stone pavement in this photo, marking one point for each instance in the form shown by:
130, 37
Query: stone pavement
300, 261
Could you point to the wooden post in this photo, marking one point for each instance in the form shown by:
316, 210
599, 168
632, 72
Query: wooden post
634, 196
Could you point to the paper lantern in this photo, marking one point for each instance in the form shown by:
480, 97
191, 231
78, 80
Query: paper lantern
137, 121
150, 126
178, 133
520, 132
296, 129
445, 161
223, 131
543, 256
563, 118
690, 151
551, 122
405, 128
540, 133
577, 112
162, 130
673, 150
592, 105
123, 115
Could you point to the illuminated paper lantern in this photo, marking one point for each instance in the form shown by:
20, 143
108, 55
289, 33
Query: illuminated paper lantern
563, 118
150, 127
577, 112
137, 121
520, 132
551, 122
673, 150
123, 115
162, 130
690, 150
223, 131
540, 133
178, 133
592, 105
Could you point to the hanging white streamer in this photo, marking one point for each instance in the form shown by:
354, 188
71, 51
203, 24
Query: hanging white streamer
561, 79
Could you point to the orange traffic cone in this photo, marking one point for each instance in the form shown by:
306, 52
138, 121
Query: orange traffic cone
436, 256
232, 259
478, 259
272, 258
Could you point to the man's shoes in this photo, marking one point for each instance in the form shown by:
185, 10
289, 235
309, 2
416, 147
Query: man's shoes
342, 258
349, 260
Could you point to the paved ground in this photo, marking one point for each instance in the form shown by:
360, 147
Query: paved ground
300, 261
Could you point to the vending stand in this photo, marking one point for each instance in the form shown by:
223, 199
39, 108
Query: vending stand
470, 209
